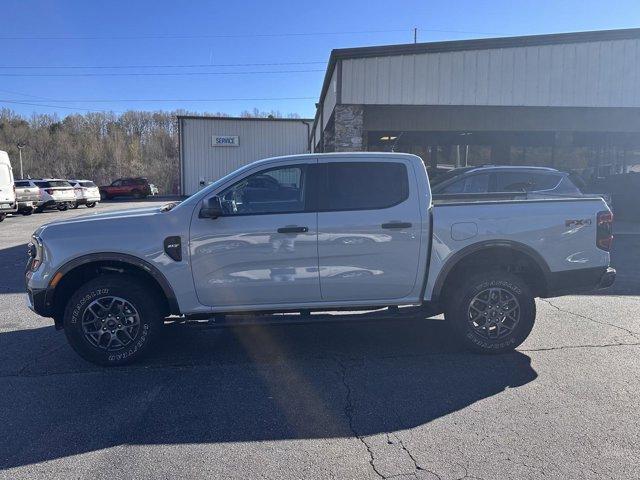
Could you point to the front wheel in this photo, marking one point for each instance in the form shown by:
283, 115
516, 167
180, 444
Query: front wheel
62, 207
2, 216
491, 312
91, 204
112, 320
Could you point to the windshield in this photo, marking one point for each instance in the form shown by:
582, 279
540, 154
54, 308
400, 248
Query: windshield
53, 184
169, 206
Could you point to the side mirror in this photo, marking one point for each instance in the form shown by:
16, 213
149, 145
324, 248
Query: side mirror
212, 208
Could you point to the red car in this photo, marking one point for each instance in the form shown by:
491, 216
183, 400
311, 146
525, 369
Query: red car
138, 187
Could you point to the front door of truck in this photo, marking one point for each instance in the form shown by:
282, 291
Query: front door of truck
263, 249
369, 227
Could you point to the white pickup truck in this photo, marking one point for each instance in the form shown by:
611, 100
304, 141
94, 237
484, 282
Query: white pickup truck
315, 233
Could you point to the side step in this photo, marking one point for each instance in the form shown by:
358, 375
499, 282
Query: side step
298, 318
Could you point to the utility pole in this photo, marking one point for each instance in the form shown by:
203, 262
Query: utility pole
20, 147
415, 34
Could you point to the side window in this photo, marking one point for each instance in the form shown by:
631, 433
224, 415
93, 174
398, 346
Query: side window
278, 190
525, 181
471, 184
117, 183
364, 185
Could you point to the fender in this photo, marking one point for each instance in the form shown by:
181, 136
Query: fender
485, 245
132, 260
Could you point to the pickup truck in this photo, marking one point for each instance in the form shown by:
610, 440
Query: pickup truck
316, 232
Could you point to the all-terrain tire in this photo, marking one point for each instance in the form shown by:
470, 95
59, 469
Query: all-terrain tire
465, 311
102, 289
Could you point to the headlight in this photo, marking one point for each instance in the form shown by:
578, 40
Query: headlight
36, 253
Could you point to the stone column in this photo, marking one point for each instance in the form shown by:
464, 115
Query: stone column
349, 128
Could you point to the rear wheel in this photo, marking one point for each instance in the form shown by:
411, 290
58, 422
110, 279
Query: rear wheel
112, 320
2, 216
137, 194
27, 211
75, 205
62, 207
91, 204
491, 312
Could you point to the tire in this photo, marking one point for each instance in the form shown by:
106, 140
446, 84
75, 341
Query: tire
127, 344
74, 206
482, 329
91, 204
2, 216
62, 207
27, 211
137, 194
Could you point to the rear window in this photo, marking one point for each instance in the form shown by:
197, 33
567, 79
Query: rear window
87, 184
364, 185
526, 181
22, 184
53, 184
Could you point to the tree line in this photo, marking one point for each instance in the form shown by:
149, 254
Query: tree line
100, 146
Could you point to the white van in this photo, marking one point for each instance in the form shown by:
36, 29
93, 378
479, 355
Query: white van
7, 190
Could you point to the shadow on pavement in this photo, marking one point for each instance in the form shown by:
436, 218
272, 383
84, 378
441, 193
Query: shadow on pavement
12, 267
625, 258
241, 384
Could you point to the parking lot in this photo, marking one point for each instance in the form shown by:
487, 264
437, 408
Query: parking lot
349, 399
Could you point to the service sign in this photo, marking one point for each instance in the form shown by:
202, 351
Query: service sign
225, 141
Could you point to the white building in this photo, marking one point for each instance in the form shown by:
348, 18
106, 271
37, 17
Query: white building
211, 147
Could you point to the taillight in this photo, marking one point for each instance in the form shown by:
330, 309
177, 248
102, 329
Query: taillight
604, 230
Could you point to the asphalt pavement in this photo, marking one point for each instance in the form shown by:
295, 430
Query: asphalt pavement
345, 400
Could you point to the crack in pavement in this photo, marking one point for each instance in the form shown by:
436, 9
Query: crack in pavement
635, 335
349, 411
568, 347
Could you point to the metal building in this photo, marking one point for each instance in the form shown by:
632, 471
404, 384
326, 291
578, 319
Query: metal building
211, 147
568, 100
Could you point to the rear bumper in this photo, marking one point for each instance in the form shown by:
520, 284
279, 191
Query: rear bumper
8, 207
582, 280
608, 278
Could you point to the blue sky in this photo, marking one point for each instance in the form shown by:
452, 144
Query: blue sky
210, 33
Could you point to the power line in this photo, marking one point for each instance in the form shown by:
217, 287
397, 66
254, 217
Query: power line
55, 106
123, 100
188, 36
152, 74
195, 65
173, 36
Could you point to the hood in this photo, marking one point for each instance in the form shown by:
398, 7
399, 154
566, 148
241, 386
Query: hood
96, 217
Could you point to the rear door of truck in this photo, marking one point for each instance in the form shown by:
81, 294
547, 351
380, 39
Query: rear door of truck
369, 228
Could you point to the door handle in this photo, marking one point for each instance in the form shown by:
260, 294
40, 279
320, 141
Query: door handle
293, 229
396, 225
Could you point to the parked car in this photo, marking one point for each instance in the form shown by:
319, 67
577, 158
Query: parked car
7, 189
128, 187
111, 286
54, 193
27, 196
86, 192
505, 179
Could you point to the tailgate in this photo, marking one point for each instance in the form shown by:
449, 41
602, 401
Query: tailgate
27, 194
63, 193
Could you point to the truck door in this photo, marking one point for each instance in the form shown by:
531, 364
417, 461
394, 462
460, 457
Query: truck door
263, 249
369, 227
